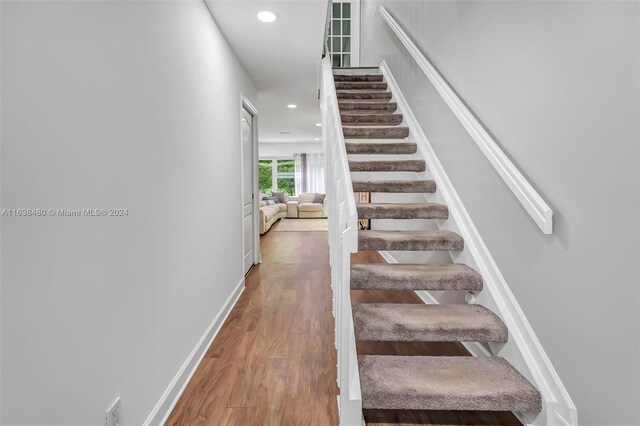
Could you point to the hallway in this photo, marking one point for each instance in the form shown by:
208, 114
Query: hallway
273, 361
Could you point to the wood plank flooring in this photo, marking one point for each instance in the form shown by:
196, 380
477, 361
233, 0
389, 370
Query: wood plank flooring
274, 363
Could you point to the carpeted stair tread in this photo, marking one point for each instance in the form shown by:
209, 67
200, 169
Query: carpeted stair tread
357, 77
402, 211
410, 241
403, 322
363, 95
402, 276
368, 107
375, 132
372, 124
399, 186
388, 166
371, 119
360, 85
445, 383
381, 148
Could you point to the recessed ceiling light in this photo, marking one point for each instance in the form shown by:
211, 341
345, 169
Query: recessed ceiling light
316, 139
267, 16
292, 106
318, 124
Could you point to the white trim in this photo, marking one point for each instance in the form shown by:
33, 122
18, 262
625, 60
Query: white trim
523, 350
257, 255
167, 402
355, 33
343, 240
533, 203
1, 258
274, 174
246, 104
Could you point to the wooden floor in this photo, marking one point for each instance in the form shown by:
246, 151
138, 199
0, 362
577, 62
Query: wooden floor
274, 363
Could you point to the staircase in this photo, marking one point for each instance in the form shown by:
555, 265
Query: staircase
374, 129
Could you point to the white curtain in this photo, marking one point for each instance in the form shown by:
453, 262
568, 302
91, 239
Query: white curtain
309, 172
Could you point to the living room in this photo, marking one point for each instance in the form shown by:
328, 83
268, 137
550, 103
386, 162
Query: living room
291, 184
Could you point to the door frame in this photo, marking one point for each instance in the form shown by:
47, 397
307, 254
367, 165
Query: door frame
246, 104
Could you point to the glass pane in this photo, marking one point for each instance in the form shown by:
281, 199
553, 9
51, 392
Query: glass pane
346, 45
336, 27
346, 27
336, 45
287, 185
335, 60
285, 166
346, 60
346, 10
265, 176
336, 10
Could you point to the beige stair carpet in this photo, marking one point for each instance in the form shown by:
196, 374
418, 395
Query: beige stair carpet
396, 382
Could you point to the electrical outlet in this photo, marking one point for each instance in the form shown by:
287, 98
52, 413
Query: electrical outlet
114, 414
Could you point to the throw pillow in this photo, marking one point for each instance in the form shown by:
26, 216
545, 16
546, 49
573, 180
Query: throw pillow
319, 198
280, 196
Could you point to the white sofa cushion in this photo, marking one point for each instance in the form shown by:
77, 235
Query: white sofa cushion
310, 207
306, 198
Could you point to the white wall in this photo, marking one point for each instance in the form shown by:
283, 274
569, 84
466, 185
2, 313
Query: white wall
287, 149
113, 105
557, 84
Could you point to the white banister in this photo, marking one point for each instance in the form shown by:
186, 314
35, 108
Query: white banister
343, 240
533, 203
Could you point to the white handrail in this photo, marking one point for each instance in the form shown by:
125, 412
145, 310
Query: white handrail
533, 203
343, 240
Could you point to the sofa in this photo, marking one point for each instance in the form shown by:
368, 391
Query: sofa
270, 214
302, 206
306, 207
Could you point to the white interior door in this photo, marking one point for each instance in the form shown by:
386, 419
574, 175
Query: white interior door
247, 190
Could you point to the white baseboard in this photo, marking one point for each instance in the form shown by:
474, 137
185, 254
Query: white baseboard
523, 349
163, 408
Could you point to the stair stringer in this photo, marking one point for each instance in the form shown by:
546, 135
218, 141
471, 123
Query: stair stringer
523, 349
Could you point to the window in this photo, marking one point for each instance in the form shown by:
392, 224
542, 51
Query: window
265, 176
340, 34
282, 179
286, 179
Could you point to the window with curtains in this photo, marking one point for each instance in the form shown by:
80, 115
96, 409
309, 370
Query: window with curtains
309, 173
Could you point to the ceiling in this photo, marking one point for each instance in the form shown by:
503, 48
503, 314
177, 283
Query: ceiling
282, 58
